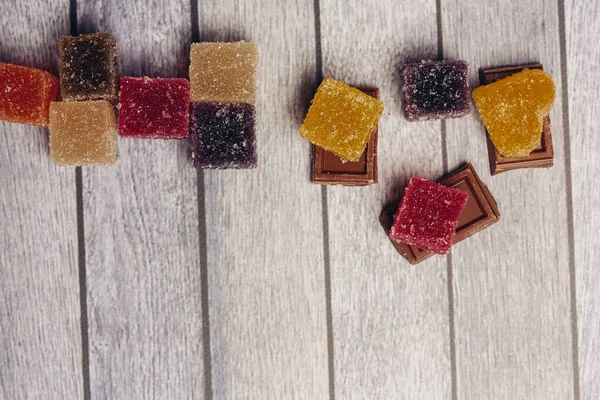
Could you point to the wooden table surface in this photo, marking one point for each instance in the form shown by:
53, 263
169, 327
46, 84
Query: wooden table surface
151, 280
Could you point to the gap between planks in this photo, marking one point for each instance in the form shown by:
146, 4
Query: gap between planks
325, 219
569, 197
449, 266
203, 246
83, 303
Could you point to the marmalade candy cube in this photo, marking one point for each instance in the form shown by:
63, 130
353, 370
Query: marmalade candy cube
428, 215
222, 135
26, 94
88, 67
83, 133
436, 90
156, 108
223, 72
513, 110
341, 119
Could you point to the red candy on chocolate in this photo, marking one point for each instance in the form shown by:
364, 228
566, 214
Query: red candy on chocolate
428, 215
26, 94
157, 108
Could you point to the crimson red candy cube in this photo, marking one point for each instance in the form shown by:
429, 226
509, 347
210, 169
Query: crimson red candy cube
428, 215
157, 108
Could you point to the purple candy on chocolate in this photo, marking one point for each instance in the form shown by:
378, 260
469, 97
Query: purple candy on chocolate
436, 90
222, 135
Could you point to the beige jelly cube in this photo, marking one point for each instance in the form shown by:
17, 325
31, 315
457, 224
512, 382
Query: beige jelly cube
223, 72
83, 133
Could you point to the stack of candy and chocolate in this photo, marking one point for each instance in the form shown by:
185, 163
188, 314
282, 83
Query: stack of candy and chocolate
216, 110
342, 122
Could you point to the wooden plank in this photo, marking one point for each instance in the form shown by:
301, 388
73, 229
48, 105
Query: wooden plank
265, 245
141, 229
511, 282
390, 319
582, 57
40, 335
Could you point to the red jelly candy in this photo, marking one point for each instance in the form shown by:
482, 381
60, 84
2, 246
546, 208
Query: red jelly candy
156, 108
25, 94
428, 215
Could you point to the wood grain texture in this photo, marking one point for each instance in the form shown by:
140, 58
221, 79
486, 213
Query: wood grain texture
40, 342
141, 229
265, 257
583, 57
390, 319
511, 282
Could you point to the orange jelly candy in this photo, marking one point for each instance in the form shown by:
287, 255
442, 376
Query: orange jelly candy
513, 110
25, 94
341, 119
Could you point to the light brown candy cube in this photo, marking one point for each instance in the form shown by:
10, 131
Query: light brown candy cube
83, 133
223, 72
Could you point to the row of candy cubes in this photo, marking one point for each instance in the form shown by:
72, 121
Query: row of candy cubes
215, 108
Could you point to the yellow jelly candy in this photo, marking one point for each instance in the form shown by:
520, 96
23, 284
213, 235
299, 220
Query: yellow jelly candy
513, 110
341, 119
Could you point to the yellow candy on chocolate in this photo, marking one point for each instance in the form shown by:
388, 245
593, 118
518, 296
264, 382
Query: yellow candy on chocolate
513, 110
341, 119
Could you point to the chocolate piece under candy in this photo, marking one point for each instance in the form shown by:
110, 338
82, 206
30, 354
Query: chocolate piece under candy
436, 90
480, 212
542, 156
222, 135
329, 169
88, 67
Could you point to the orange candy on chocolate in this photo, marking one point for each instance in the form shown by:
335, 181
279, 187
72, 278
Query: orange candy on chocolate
25, 94
513, 110
341, 119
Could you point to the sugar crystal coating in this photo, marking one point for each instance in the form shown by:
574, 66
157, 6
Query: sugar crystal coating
428, 215
25, 94
436, 90
154, 108
223, 72
83, 133
223, 135
513, 110
88, 67
341, 119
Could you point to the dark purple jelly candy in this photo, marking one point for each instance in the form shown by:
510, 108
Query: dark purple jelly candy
88, 67
436, 90
222, 135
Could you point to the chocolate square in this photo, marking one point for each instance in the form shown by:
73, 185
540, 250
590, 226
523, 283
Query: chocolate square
480, 212
328, 169
541, 157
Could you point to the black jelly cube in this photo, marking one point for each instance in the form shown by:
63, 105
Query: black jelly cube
88, 67
436, 90
222, 135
